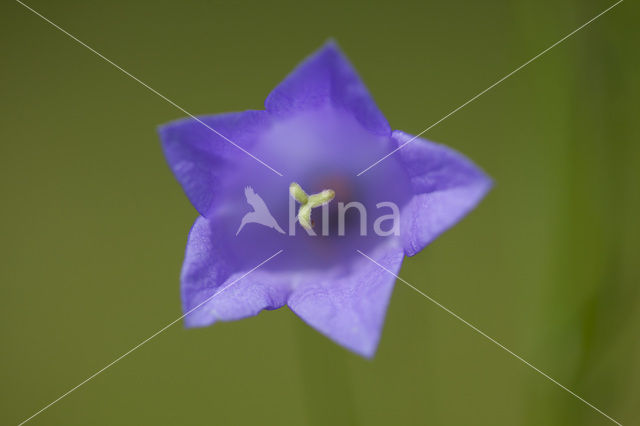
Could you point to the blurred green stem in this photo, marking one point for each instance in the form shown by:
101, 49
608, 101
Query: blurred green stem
327, 391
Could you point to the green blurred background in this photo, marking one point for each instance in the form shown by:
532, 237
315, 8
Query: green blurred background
93, 225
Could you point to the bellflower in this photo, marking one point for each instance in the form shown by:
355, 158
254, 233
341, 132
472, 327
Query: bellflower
319, 129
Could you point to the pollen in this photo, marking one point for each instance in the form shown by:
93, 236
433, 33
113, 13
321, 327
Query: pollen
308, 202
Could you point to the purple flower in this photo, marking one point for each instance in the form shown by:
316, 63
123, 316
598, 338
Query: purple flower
319, 129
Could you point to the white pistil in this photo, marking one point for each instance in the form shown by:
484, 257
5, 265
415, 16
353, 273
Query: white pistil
308, 202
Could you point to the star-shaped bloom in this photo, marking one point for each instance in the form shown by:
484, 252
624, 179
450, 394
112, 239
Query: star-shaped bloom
319, 129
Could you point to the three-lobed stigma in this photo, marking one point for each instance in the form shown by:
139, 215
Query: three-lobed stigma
308, 202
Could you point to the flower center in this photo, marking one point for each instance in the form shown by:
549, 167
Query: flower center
308, 202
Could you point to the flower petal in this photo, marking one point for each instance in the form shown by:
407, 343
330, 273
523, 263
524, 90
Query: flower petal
327, 77
200, 158
350, 309
225, 290
446, 186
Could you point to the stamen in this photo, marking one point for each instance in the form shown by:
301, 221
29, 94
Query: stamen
308, 202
